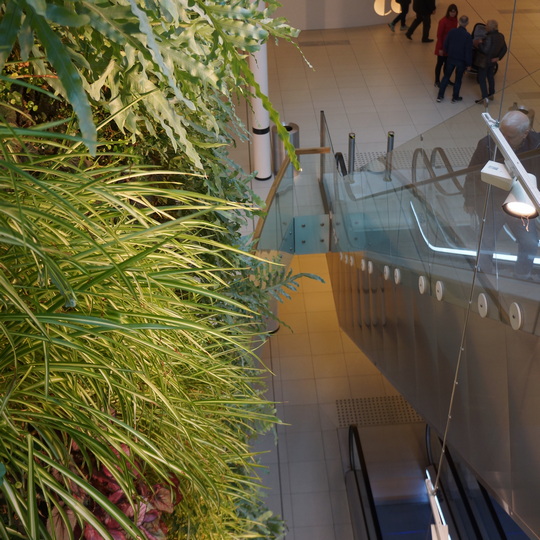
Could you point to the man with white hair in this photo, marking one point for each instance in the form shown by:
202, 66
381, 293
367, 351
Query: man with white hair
490, 50
516, 128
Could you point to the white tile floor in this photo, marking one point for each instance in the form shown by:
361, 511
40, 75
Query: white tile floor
368, 81
314, 364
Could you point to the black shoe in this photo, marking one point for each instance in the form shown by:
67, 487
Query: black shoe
479, 101
408, 36
428, 40
437, 84
456, 99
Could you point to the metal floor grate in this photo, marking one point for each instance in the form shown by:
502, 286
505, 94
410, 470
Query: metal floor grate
402, 159
376, 411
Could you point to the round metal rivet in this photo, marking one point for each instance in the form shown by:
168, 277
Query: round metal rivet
363, 265
422, 284
370, 267
516, 317
439, 290
386, 272
397, 276
482, 305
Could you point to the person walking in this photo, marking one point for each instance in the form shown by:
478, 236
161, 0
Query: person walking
458, 44
423, 9
490, 50
447, 23
401, 16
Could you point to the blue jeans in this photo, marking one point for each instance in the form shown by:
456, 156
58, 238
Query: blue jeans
451, 64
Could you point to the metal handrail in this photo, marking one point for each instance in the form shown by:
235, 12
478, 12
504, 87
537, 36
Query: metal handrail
354, 443
340, 163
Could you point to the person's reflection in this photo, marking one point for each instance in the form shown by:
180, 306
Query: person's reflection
515, 127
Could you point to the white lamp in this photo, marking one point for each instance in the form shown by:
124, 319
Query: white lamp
515, 169
518, 203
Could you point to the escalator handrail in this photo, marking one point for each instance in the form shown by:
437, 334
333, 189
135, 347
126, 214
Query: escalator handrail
340, 163
428, 163
354, 442
459, 484
442, 154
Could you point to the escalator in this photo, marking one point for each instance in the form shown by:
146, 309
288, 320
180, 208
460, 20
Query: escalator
385, 488
472, 512
463, 504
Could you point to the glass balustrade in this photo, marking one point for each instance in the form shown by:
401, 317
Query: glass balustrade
435, 287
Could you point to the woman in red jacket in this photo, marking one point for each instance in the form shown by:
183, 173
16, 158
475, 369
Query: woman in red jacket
446, 24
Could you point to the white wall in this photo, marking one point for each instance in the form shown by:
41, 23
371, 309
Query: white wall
319, 14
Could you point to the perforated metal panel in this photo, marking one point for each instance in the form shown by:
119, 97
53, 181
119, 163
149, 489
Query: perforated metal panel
376, 411
459, 158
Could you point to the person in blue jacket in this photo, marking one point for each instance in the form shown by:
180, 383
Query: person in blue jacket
459, 46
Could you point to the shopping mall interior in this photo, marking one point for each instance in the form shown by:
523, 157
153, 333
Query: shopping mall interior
369, 81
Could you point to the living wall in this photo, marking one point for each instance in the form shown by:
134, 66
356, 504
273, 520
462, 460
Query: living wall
128, 299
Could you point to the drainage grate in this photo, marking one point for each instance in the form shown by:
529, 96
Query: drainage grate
376, 411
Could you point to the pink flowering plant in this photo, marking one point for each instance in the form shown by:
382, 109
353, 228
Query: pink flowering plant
147, 507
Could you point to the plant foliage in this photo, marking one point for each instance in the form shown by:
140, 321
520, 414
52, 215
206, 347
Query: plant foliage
128, 305
159, 67
119, 331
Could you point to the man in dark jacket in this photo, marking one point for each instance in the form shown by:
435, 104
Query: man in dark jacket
491, 49
458, 45
516, 128
423, 9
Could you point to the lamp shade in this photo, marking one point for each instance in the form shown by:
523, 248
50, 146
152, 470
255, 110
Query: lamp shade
518, 203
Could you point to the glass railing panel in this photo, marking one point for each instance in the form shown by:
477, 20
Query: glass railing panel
406, 244
277, 231
297, 217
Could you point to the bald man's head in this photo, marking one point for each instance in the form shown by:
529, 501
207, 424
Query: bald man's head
515, 127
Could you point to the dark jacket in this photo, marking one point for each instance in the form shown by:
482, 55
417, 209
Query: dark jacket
458, 45
475, 188
492, 46
424, 7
